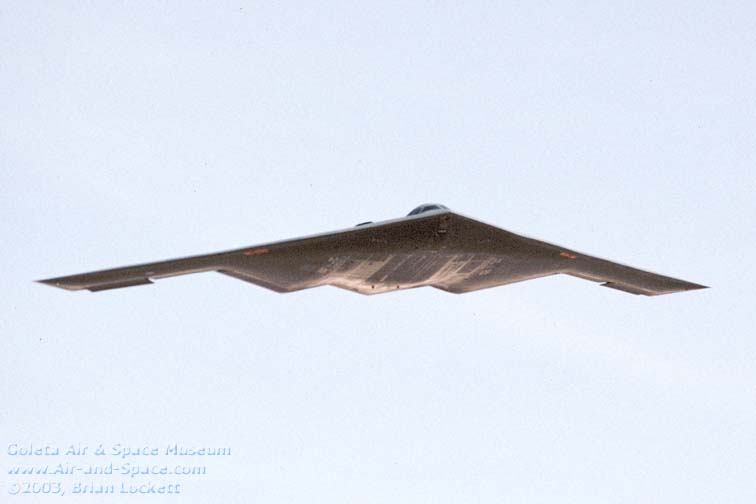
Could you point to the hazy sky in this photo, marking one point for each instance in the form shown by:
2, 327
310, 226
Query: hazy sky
138, 131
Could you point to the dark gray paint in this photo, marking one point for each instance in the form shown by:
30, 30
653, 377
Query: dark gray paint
436, 248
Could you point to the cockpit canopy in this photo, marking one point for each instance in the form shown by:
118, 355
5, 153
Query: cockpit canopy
427, 208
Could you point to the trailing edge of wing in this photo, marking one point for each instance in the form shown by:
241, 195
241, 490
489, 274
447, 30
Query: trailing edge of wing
118, 285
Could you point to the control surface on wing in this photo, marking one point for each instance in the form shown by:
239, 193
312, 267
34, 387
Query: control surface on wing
432, 246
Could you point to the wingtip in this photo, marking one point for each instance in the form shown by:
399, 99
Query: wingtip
691, 287
55, 282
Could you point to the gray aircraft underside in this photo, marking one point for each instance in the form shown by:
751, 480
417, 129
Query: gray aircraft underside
432, 246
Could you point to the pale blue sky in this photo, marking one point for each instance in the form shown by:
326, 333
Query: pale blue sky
138, 131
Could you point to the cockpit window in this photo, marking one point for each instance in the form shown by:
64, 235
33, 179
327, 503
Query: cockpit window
426, 208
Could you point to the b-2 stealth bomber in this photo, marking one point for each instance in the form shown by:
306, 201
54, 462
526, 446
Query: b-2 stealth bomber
432, 246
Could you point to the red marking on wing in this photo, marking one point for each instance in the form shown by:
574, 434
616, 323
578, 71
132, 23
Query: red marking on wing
568, 255
255, 252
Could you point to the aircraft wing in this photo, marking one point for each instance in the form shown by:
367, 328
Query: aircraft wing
440, 249
516, 258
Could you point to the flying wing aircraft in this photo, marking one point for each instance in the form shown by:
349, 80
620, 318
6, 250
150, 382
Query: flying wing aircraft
432, 246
